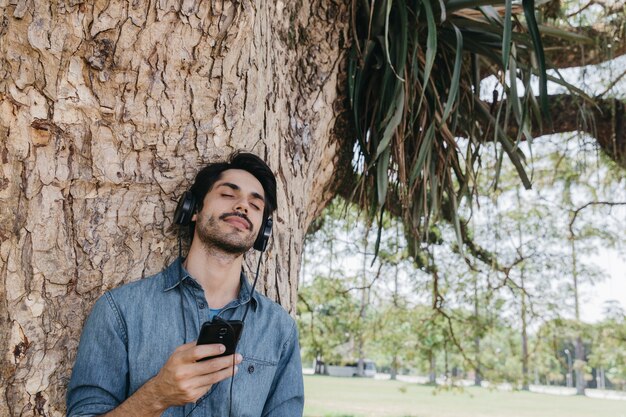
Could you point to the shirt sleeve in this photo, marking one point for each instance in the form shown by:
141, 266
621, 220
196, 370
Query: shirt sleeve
99, 380
286, 397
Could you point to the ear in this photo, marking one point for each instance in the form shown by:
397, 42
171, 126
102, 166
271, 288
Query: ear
194, 217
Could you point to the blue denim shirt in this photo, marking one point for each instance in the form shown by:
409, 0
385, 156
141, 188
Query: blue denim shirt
132, 330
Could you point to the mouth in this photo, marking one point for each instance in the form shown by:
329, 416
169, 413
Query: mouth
237, 220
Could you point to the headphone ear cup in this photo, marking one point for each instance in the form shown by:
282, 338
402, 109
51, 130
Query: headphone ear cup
185, 209
264, 235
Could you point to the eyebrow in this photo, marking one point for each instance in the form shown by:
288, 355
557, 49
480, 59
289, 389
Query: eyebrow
235, 187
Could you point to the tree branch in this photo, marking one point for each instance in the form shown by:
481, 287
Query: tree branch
591, 203
606, 121
603, 44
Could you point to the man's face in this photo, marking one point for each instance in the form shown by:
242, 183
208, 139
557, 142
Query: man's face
232, 213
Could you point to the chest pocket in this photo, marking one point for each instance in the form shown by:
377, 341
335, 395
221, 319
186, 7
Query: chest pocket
252, 385
255, 377
251, 388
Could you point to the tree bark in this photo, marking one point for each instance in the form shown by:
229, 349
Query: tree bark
107, 111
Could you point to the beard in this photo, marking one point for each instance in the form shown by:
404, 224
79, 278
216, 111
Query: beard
233, 243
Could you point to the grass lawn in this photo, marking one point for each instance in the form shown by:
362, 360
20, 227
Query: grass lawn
363, 397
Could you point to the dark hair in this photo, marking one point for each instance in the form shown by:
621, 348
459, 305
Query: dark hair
210, 174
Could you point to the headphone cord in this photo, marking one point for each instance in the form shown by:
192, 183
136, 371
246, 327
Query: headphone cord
256, 278
232, 379
245, 313
180, 284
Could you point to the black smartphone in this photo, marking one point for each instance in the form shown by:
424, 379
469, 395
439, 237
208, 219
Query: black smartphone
223, 332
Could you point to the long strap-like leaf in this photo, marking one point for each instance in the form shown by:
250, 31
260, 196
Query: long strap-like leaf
529, 12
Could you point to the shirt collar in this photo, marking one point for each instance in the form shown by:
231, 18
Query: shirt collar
176, 273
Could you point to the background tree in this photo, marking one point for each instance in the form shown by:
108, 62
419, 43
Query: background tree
609, 349
326, 316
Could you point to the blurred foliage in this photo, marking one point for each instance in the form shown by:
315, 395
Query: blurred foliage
452, 314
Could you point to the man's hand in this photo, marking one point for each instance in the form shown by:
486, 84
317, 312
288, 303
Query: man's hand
184, 380
180, 381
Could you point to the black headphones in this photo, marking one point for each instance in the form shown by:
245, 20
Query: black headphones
186, 208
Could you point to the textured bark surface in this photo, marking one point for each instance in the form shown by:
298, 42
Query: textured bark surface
107, 111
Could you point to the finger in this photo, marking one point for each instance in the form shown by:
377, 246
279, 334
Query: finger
216, 364
200, 385
183, 350
205, 381
198, 352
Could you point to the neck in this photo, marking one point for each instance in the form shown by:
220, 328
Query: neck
216, 271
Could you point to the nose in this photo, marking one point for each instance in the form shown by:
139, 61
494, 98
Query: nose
242, 206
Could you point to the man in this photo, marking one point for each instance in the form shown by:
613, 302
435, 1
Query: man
138, 355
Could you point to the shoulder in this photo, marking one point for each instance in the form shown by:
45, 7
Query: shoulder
152, 283
133, 296
272, 307
276, 314
143, 288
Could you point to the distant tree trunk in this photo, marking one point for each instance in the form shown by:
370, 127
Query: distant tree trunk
320, 367
446, 366
394, 367
579, 351
525, 377
523, 305
477, 375
107, 111
601, 378
363, 310
396, 291
579, 368
432, 371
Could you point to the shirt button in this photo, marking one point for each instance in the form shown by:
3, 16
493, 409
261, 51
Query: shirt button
250, 369
201, 306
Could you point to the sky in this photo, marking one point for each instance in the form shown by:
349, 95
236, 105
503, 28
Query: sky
613, 288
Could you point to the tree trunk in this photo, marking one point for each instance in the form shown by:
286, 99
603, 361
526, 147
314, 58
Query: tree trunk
107, 111
579, 352
525, 377
432, 371
520, 251
446, 367
579, 368
362, 311
477, 372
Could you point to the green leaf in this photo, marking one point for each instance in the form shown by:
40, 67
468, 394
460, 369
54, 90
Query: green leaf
431, 42
513, 96
529, 12
455, 5
401, 43
434, 190
457, 222
378, 235
456, 74
492, 15
393, 124
566, 35
425, 149
515, 155
506, 34
382, 176
442, 8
